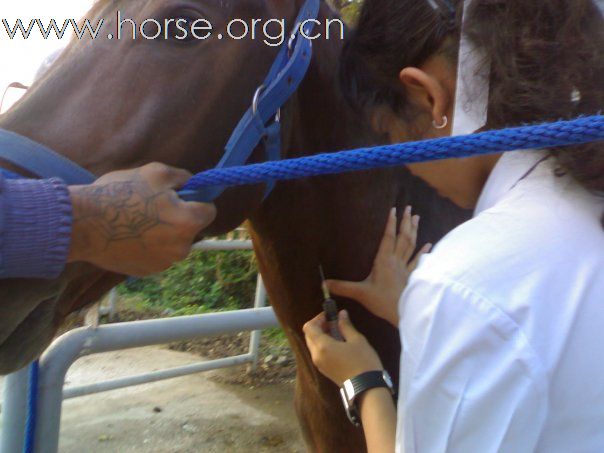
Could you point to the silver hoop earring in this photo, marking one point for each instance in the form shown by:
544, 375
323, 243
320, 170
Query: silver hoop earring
443, 125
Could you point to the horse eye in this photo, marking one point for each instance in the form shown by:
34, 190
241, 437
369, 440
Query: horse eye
179, 29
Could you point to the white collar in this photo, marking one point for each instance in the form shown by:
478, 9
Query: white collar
509, 169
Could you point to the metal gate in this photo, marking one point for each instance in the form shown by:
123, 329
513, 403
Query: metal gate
66, 349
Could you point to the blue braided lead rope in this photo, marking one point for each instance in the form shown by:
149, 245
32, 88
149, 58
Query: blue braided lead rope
547, 135
32, 408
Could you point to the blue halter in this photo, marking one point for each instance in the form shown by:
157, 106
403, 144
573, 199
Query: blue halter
40, 160
260, 123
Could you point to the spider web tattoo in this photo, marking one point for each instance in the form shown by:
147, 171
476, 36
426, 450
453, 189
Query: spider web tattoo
120, 210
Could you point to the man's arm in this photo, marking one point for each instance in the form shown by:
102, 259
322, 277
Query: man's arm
35, 228
129, 222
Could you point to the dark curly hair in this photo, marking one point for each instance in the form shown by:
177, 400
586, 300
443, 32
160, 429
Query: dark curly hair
546, 62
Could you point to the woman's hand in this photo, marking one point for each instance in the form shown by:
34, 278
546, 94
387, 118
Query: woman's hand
380, 292
132, 222
340, 360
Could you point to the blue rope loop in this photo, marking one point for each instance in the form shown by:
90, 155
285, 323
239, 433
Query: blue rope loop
546, 135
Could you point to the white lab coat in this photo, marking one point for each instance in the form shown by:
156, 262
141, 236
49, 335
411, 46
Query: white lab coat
502, 325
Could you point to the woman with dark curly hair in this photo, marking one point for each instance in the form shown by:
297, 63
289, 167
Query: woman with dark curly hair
502, 325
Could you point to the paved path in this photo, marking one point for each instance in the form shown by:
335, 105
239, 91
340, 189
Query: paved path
187, 414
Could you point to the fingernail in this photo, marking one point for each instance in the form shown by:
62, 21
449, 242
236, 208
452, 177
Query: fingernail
344, 314
393, 212
408, 210
415, 220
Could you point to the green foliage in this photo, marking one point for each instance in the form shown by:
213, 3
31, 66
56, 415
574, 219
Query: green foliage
348, 9
205, 281
350, 12
276, 336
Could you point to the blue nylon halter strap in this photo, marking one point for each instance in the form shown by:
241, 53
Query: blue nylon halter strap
259, 123
40, 160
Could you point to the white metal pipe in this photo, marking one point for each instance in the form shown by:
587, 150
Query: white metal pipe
154, 376
112, 303
219, 244
83, 341
259, 301
14, 411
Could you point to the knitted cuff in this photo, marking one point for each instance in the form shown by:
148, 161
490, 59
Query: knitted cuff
35, 228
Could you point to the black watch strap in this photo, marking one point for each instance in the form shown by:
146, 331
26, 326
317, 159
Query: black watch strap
370, 380
355, 386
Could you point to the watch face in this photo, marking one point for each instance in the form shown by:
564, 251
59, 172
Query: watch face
351, 411
387, 379
349, 391
344, 399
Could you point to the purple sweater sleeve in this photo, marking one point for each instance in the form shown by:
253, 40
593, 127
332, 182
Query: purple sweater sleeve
35, 228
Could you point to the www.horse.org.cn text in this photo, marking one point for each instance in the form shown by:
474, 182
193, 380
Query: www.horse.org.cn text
272, 32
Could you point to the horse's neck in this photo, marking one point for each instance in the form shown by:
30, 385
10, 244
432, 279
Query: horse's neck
333, 221
322, 119
307, 211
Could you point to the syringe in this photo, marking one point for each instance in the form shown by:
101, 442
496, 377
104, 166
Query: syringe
331, 310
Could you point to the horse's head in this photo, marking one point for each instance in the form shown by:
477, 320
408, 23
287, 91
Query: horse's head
119, 103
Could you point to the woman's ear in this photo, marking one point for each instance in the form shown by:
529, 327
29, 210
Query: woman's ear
426, 92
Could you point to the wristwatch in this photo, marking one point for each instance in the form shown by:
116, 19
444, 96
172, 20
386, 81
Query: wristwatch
352, 388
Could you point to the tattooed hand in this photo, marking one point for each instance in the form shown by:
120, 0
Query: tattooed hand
132, 222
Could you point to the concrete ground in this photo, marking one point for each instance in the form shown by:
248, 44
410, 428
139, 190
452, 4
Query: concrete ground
187, 414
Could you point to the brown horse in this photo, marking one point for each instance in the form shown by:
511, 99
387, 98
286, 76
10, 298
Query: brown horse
117, 104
